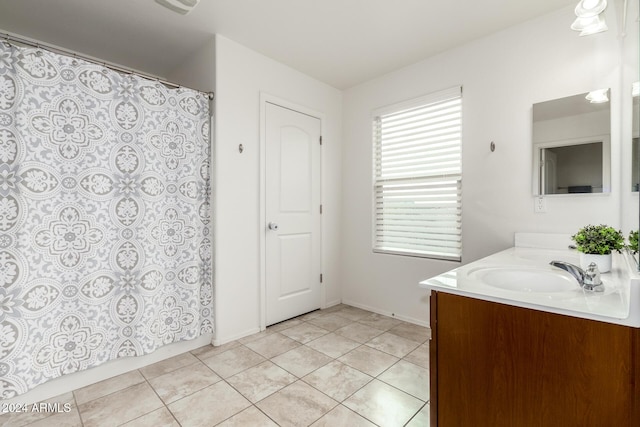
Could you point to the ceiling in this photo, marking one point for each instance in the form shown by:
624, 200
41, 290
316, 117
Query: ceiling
340, 42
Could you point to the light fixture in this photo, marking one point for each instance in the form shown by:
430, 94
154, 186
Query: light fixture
588, 8
179, 6
598, 96
589, 17
591, 25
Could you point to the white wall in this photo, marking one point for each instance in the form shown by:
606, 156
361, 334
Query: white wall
241, 75
502, 76
198, 71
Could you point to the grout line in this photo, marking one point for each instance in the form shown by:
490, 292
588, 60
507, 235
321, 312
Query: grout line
265, 414
245, 369
416, 414
75, 402
157, 395
243, 396
108, 394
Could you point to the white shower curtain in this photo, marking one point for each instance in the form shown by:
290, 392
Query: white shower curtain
105, 239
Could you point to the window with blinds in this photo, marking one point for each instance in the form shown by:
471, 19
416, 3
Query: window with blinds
418, 177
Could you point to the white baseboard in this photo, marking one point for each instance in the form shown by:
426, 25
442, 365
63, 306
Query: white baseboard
331, 304
109, 369
387, 313
220, 341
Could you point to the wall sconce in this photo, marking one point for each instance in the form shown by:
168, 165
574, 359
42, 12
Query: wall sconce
598, 96
179, 6
589, 17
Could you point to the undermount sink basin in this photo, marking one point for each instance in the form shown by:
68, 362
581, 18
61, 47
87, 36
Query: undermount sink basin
522, 279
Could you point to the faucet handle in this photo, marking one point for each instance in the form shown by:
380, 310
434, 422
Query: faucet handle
592, 281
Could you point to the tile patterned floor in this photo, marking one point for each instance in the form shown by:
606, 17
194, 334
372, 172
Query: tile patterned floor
337, 367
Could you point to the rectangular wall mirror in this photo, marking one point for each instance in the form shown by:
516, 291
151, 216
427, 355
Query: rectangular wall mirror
571, 145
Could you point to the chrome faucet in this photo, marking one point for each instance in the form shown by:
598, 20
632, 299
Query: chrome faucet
589, 279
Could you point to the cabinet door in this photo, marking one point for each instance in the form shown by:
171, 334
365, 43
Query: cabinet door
498, 365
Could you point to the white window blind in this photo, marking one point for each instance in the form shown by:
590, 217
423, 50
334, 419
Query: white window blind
418, 177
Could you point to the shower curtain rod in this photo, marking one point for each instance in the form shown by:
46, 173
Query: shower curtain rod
13, 38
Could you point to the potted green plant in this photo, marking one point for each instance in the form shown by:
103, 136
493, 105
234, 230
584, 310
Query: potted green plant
596, 243
633, 241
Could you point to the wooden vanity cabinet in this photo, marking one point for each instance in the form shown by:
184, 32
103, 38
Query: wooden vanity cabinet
497, 365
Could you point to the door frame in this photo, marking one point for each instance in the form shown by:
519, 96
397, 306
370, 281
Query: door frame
266, 98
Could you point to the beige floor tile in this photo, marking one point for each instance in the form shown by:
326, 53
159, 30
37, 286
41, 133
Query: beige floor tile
108, 386
334, 308
411, 332
359, 332
209, 406
233, 361
19, 418
409, 378
353, 313
304, 332
368, 360
421, 419
341, 416
184, 381
337, 380
255, 336
419, 356
301, 360
383, 404
379, 321
310, 315
333, 345
63, 419
159, 417
296, 405
120, 407
168, 365
209, 350
250, 417
260, 381
285, 325
272, 345
330, 321
393, 344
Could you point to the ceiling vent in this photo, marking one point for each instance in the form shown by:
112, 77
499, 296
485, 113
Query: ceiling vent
179, 6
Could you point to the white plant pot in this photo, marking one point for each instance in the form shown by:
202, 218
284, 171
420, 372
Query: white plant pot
602, 261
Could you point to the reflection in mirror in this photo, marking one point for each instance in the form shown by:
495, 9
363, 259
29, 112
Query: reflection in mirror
572, 169
571, 145
635, 154
635, 170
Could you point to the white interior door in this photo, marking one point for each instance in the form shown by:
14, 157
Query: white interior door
292, 210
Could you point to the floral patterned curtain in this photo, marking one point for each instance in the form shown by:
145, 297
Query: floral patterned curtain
105, 240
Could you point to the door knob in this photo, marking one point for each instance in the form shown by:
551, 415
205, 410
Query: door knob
273, 226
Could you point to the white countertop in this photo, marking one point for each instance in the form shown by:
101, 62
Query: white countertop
618, 304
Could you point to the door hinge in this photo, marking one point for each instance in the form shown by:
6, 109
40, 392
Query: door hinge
320, 209
320, 278
320, 139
